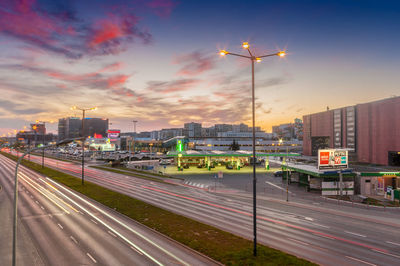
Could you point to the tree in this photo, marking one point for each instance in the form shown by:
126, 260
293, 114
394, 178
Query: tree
234, 146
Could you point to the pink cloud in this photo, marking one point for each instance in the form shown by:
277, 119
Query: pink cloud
172, 86
194, 63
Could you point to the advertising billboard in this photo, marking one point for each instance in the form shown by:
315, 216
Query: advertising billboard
332, 159
113, 133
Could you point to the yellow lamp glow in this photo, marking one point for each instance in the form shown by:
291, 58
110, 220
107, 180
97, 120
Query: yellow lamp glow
223, 52
282, 53
245, 45
258, 60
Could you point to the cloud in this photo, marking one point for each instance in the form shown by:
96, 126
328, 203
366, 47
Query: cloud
163, 8
107, 35
18, 109
194, 63
172, 86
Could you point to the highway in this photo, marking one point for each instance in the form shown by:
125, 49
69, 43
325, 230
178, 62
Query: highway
57, 226
325, 235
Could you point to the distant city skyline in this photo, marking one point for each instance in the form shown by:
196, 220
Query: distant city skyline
157, 61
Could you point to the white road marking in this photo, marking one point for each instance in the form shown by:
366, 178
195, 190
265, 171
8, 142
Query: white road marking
393, 243
60, 226
111, 233
361, 261
320, 225
272, 184
136, 250
31, 197
42, 207
309, 219
355, 234
36, 202
298, 241
93, 221
386, 253
90, 256
73, 239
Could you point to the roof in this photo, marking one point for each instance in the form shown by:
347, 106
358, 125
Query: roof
215, 153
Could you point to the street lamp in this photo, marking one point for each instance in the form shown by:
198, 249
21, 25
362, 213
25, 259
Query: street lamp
253, 59
134, 130
43, 134
83, 136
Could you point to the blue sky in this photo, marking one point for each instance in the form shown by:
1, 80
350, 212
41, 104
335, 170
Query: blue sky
157, 61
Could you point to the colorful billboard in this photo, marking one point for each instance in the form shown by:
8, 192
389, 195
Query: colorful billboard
332, 159
113, 133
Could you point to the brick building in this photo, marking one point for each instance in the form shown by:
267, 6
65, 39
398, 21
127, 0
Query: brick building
370, 130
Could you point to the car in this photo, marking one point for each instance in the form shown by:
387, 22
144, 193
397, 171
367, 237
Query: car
200, 166
278, 173
186, 166
229, 166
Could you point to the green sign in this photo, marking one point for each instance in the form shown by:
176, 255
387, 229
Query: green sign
179, 146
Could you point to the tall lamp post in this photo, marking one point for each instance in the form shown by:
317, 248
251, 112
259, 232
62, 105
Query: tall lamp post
44, 134
253, 59
83, 137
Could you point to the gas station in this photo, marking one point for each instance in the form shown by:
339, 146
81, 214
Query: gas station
207, 159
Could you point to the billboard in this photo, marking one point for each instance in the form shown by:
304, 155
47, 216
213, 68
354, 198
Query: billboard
332, 159
113, 133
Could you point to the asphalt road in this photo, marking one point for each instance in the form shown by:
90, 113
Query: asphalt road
324, 233
60, 227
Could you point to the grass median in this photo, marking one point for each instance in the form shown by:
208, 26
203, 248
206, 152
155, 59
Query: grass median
217, 244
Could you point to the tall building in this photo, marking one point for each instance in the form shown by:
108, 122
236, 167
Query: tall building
223, 128
192, 129
96, 126
71, 127
370, 130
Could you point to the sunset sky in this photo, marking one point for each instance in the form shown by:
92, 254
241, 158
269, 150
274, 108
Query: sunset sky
157, 61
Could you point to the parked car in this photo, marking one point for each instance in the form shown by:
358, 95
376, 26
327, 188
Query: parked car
278, 173
229, 166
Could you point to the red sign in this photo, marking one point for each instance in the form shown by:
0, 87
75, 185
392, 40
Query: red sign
324, 158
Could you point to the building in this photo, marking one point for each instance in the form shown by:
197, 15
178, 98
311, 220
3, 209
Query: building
96, 127
371, 131
289, 130
71, 127
223, 128
192, 129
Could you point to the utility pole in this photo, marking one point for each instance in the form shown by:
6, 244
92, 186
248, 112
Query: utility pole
134, 135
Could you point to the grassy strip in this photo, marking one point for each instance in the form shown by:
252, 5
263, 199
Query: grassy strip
104, 168
215, 243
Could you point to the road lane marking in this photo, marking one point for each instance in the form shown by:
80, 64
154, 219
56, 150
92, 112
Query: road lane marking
272, 184
93, 221
111, 233
324, 226
393, 243
298, 241
282, 223
73, 239
352, 233
36, 202
386, 253
309, 219
42, 207
60, 226
90, 256
361, 261
136, 250
116, 220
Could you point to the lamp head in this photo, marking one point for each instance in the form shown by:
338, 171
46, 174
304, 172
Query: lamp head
281, 54
258, 60
245, 45
223, 53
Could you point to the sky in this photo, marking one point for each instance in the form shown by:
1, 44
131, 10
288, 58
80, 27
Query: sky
157, 61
